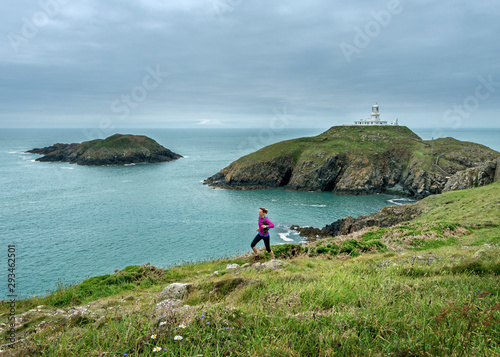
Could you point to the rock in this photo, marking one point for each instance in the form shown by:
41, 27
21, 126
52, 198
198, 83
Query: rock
246, 265
479, 254
256, 265
115, 150
232, 266
478, 176
386, 217
175, 291
273, 264
215, 273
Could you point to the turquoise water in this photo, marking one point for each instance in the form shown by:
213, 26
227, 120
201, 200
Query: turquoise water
70, 222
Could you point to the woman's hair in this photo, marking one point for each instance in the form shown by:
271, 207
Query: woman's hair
264, 210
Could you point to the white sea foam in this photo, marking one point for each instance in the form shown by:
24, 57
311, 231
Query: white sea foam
313, 205
67, 168
284, 237
400, 201
12, 152
129, 164
32, 160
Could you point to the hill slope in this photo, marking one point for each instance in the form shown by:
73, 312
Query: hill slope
411, 295
355, 160
117, 149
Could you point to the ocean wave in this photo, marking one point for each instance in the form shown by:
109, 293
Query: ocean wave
129, 165
284, 237
12, 152
67, 168
400, 201
322, 206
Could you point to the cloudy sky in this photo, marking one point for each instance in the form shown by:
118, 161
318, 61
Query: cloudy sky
244, 63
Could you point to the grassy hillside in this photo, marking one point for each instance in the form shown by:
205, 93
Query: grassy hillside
435, 293
371, 140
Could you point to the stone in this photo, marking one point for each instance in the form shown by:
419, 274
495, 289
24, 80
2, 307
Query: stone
232, 266
246, 265
479, 254
175, 291
215, 273
273, 264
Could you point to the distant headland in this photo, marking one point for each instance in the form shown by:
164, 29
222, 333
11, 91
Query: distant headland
117, 149
363, 159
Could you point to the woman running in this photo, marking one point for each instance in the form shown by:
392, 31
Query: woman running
263, 233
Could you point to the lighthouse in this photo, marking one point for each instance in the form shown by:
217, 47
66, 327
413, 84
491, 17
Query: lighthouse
375, 113
375, 118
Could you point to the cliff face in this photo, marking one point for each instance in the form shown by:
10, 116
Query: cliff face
115, 150
478, 176
355, 160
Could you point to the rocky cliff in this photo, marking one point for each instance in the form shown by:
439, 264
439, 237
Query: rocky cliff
114, 150
355, 160
478, 176
386, 217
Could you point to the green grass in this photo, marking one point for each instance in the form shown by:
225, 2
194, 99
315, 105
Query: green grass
371, 305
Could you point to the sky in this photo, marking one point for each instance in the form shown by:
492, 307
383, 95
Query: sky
248, 63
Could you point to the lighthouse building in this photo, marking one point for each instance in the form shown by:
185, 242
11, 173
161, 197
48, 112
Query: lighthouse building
375, 118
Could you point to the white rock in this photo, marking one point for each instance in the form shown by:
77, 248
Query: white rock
232, 266
174, 291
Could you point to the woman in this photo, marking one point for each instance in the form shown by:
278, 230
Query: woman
263, 233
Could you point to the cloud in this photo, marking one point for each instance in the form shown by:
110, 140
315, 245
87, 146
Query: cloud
236, 61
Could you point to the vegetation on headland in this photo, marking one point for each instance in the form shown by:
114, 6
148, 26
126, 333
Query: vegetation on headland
355, 160
429, 287
117, 149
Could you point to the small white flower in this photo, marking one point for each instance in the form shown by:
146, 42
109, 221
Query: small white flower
178, 338
153, 337
182, 326
163, 323
157, 349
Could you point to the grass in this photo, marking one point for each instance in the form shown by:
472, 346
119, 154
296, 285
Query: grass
372, 305
429, 287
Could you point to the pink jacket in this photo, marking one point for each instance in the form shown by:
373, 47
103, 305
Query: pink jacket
265, 222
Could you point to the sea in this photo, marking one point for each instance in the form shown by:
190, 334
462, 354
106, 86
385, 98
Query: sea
66, 223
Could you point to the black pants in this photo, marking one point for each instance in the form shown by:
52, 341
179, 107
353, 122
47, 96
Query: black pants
257, 239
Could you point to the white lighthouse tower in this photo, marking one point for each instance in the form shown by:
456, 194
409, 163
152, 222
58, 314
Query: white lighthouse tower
375, 114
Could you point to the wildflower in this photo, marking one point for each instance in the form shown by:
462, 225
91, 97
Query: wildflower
182, 326
153, 337
178, 338
165, 349
227, 328
162, 323
208, 323
202, 316
157, 349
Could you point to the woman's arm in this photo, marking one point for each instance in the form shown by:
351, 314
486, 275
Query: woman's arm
269, 223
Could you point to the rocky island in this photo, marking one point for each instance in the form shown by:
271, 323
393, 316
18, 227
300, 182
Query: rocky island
356, 160
115, 150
